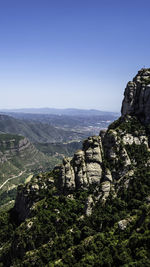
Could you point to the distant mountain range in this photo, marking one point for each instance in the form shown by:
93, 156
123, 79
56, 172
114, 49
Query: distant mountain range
55, 111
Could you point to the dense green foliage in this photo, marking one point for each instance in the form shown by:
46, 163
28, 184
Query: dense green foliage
128, 124
58, 233
5, 196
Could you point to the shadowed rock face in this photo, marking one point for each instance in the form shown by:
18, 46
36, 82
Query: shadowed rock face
137, 97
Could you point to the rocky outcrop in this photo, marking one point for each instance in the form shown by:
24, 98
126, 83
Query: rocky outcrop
85, 168
89, 167
105, 160
124, 223
88, 205
137, 96
28, 195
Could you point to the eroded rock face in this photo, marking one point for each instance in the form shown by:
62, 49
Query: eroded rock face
12, 147
105, 161
129, 139
137, 96
85, 168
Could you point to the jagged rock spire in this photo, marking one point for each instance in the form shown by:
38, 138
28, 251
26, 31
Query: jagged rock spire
137, 96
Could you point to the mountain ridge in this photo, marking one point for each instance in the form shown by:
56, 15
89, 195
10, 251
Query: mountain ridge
58, 111
36, 131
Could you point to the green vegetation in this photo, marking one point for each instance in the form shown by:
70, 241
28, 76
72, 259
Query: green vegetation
7, 196
128, 124
39, 131
59, 149
58, 233
8, 137
19, 158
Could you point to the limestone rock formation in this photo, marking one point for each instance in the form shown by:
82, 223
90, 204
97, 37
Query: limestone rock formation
84, 168
137, 96
105, 160
89, 167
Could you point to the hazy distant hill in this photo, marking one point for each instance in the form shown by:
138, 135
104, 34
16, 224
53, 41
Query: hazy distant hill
55, 111
36, 131
88, 125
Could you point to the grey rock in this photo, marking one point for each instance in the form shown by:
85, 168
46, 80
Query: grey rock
105, 188
137, 97
123, 224
89, 205
67, 174
108, 175
129, 139
84, 168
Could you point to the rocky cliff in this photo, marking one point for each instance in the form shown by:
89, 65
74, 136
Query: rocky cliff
18, 159
105, 159
12, 145
16, 150
105, 162
137, 96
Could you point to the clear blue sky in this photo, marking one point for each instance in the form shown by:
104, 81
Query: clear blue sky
75, 53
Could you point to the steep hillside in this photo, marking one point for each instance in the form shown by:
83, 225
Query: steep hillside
94, 209
37, 131
18, 159
59, 149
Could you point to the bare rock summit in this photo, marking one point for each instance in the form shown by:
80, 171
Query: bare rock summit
137, 96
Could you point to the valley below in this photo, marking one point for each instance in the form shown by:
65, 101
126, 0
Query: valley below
46, 139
